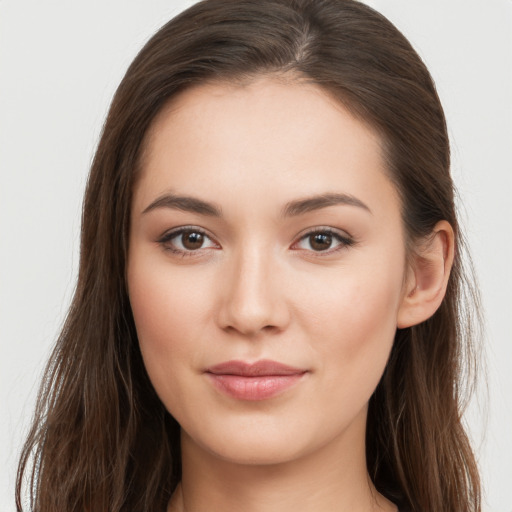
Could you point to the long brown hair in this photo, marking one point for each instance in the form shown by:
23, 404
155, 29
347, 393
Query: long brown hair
101, 439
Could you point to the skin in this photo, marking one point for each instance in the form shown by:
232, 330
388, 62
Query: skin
259, 288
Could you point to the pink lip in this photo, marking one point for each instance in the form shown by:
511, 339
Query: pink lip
258, 381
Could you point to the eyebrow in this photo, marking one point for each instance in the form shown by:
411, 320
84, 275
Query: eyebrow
185, 203
308, 204
291, 209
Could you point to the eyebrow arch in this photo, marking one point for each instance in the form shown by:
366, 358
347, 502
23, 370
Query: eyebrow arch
309, 204
185, 203
291, 209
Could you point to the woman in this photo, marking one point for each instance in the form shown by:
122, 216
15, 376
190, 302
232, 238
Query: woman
269, 308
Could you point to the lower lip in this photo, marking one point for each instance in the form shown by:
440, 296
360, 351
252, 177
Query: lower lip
261, 387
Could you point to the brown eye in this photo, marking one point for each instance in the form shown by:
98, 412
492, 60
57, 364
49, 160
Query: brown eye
186, 241
320, 241
192, 240
325, 241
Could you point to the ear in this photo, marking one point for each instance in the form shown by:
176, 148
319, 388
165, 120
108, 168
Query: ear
427, 278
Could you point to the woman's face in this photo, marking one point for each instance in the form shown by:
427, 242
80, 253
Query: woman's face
266, 269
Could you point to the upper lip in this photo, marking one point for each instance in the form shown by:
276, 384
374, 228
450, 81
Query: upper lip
259, 368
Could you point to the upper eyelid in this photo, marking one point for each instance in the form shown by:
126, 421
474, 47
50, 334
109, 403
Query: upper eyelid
181, 229
322, 229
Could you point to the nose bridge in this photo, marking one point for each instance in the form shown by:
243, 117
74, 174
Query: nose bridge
252, 298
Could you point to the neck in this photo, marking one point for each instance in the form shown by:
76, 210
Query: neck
332, 479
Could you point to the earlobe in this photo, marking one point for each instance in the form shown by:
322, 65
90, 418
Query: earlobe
428, 275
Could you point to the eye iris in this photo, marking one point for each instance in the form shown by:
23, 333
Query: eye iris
192, 240
320, 241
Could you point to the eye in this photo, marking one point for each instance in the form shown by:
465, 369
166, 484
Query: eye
324, 240
186, 240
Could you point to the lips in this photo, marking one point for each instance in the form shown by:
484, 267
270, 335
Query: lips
262, 380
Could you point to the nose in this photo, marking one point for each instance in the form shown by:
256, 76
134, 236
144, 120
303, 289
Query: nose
253, 299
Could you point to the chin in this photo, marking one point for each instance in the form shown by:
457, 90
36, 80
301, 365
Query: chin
249, 439
260, 441
256, 452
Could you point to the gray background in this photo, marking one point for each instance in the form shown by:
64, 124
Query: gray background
60, 62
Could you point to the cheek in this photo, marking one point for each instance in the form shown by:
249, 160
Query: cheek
355, 324
367, 312
170, 312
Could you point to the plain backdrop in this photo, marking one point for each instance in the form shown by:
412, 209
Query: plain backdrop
60, 62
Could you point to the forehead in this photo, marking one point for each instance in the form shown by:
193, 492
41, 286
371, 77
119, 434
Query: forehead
268, 139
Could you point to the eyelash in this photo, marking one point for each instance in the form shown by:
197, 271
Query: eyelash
168, 236
345, 241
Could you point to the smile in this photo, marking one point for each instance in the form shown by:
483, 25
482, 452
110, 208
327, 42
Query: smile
258, 381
